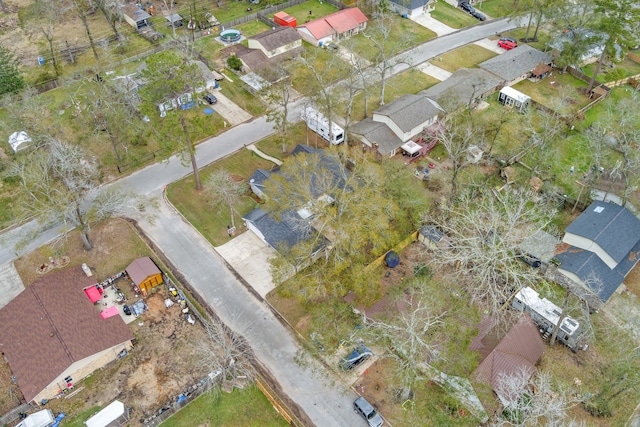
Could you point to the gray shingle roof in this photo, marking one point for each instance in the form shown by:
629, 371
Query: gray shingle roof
515, 62
291, 230
409, 111
412, 4
378, 133
278, 37
458, 89
614, 228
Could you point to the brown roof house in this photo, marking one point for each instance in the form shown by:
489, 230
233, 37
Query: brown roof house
518, 352
397, 122
144, 273
276, 41
53, 336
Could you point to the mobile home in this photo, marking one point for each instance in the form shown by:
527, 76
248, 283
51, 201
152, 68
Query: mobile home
546, 316
318, 123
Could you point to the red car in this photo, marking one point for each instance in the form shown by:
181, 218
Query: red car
507, 44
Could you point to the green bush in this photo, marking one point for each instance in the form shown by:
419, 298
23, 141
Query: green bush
598, 408
234, 63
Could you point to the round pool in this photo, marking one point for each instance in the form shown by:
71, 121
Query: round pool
230, 36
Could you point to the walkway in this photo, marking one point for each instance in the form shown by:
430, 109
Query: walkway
433, 71
252, 147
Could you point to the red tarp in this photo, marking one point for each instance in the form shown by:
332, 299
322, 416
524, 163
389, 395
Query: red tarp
109, 312
93, 293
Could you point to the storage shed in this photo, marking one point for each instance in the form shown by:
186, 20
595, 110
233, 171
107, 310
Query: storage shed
144, 273
513, 98
284, 19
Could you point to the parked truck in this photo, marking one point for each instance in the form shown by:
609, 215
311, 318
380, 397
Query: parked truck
318, 123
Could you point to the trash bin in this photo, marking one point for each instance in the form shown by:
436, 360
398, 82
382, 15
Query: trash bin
40, 60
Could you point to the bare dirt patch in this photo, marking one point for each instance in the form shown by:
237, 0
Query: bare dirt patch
165, 359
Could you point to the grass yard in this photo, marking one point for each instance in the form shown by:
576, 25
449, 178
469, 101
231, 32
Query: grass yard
329, 66
561, 92
246, 407
614, 71
495, 8
452, 16
317, 9
596, 112
239, 93
464, 57
252, 28
404, 34
410, 81
208, 217
210, 48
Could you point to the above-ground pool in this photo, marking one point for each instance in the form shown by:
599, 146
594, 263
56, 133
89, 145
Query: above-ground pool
230, 36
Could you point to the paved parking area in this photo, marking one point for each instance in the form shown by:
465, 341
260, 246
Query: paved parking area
10, 283
232, 113
249, 256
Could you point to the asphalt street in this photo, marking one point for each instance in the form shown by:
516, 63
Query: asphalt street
274, 345
311, 387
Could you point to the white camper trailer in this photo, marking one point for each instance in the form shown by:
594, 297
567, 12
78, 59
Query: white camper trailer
42, 418
318, 123
546, 315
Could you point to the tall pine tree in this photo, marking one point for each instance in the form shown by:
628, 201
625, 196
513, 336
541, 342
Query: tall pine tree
11, 80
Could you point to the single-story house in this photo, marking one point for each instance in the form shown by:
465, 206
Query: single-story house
276, 41
600, 248
135, 16
144, 273
53, 336
339, 25
466, 86
403, 119
114, 414
519, 351
257, 180
516, 64
19, 141
207, 76
411, 8
510, 97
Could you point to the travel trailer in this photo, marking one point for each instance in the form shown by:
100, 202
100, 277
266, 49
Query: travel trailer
318, 123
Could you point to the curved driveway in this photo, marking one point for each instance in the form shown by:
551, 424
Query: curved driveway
274, 345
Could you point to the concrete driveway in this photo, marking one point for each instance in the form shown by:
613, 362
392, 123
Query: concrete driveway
249, 256
233, 114
433, 24
491, 45
10, 283
433, 71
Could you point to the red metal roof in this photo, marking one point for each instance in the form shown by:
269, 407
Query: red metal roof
336, 23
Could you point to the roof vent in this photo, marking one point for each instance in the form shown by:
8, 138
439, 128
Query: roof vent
598, 209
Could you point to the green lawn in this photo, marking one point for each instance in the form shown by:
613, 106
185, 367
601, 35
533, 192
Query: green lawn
464, 57
613, 72
208, 217
242, 408
252, 28
328, 65
317, 9
404, 34
551, 90
495, 8
451, 16
239, 93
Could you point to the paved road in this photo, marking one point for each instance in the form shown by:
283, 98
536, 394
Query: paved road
274, 344
202, 267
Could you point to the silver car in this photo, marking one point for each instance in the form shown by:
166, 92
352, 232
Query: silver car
368, 412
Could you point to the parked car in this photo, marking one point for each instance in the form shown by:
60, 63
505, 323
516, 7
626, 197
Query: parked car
331, 46
355, 358
466, 6
478, 15
211, 99
509, 39
506, 44
368, 412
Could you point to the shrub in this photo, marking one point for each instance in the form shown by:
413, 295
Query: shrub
234, 63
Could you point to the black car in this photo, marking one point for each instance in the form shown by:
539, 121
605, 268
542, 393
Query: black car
210, 99
478, 15
355, 358
466, 7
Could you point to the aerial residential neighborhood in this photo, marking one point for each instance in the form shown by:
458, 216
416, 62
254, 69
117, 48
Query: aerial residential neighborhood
319, 213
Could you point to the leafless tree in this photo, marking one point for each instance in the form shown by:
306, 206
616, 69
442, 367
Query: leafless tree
456, 140
411, 336
82, 9
533, 401
388, 53
224, 189
60, 183
112, 12
278, 96
485, 228
226, 351
47, 14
